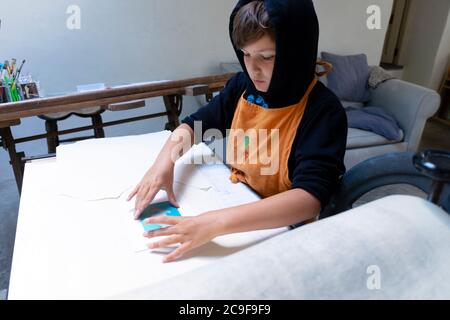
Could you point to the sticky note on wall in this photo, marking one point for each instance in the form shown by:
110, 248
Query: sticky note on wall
155, 210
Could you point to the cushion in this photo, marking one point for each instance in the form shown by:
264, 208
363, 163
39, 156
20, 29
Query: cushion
376, 120
357, 138
378, 75
349, 77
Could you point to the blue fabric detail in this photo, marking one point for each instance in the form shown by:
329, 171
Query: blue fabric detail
259, 101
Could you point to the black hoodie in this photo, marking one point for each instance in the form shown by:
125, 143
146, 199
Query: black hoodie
316, 160
296, 38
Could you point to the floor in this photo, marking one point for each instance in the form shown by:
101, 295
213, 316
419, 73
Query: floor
433, 138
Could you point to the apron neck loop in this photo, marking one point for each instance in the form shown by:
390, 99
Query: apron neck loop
326, 66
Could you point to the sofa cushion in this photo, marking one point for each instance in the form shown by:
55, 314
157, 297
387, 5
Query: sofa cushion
357, 138
349, 77
374, 119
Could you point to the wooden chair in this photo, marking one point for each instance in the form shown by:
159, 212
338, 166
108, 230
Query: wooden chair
51, 122
51, 126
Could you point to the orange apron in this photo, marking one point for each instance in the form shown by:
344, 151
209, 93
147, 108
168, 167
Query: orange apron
260, 143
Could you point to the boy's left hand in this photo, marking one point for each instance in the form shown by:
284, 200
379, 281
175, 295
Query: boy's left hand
190, 232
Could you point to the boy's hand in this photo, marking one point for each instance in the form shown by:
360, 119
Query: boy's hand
158, 177
190, 232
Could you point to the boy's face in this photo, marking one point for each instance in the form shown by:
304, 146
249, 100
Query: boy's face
259, 58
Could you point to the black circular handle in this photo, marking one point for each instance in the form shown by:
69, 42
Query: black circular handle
433, 163
436, 165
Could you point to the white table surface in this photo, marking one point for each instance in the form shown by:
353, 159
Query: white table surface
68, 248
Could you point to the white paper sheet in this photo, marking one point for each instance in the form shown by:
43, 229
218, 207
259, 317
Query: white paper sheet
194, 201
108, 169
102, 169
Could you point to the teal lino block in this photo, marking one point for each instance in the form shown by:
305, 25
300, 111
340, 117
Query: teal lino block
155, 210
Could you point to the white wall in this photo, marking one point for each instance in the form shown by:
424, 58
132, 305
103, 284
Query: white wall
141, 40
138, 40
343, 27
119, 42
442, 58
425, 44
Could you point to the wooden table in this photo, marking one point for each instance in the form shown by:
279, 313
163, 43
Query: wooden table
114, 98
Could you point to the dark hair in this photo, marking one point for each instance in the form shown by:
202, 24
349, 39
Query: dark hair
251, 23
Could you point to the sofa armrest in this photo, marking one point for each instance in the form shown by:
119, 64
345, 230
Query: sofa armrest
412, 106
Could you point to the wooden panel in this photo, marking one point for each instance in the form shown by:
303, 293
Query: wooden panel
126, 105
204, 89
11, 123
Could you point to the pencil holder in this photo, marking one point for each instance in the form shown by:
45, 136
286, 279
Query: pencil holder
2, 95
30, 90
7, 97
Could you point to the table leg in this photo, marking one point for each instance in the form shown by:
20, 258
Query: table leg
97, 121
16, 162
174, 106
51, 126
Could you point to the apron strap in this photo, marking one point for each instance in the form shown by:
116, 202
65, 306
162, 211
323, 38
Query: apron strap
327, 68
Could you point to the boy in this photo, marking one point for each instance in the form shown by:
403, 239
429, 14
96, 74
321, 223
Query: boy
276, 43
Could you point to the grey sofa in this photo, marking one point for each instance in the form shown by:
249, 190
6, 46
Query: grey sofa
412, 106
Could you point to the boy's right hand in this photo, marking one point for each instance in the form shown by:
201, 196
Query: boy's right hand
158, 177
